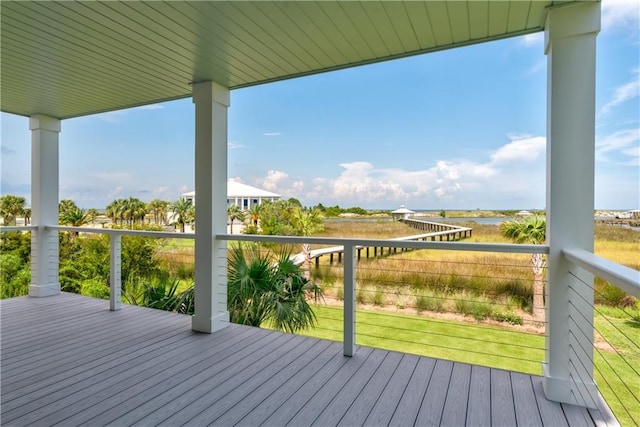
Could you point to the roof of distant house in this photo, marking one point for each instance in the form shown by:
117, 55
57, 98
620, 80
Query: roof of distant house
238, 189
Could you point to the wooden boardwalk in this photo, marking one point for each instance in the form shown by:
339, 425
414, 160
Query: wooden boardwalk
66, 360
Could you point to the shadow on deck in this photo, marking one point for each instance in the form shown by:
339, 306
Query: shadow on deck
67, 359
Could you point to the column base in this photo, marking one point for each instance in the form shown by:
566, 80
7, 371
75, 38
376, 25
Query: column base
44, 290
565, 390
209, 325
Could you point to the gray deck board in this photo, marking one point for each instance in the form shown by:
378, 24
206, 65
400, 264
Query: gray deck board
550, 412
502, 410
409, 405
308, 391
366, 400
348, 394
526, 413
455, 407
479, 400
386, 405
430, 413
67, 360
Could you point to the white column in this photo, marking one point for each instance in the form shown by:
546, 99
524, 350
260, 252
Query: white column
211, 102
44, 205
570, 46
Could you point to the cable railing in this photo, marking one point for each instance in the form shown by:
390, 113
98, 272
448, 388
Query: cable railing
428, 298
613, 359
478, 306
144, 267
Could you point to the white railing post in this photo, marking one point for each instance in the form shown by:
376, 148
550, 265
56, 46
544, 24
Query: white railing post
349, 330
115, 272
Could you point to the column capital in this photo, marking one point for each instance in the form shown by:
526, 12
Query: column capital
42, 122
571, 20
210, 91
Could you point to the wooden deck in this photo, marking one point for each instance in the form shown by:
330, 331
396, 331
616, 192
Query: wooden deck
67, 360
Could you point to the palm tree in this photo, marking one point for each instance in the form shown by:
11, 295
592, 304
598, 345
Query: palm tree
11, 207
27, 216
159, 210
115, 210
66, 205
92, 214
234, 212
133, 210
254, 214
262, 289
531, 229
75, 218
307, 222
183, 212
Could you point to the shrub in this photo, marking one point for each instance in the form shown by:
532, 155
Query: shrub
186, 271
15, 276
462, 305
481, 308
95, 288
339, 293
378, 297
362, 296
507, 317
427, 301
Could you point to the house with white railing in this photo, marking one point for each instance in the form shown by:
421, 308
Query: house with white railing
242, 195
67, 359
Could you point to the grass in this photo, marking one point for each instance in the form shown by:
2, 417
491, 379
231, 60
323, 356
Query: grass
487, 285
462, 342
498, 347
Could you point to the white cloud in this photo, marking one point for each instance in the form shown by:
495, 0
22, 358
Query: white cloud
272, 134
513, 172
624, 93
522, 147
163, 193
624, 145
620, 13
150, 107
115, 192
232, 145
114, 176
6, 151
273, 178
533, 40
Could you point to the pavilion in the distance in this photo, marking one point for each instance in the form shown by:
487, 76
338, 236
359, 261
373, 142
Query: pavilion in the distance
241, 195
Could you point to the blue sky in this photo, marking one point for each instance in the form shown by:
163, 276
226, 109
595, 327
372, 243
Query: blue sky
458, 129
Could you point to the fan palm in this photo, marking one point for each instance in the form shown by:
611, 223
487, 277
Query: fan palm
10, 208
531, 229
74, 217
268, 289
183, 212
159, 210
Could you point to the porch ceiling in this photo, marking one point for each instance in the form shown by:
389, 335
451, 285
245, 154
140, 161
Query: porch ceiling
67, 59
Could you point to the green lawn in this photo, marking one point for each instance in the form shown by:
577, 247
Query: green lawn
497, 347
464, 342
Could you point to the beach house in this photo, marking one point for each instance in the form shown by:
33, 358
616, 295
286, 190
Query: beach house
242, 195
